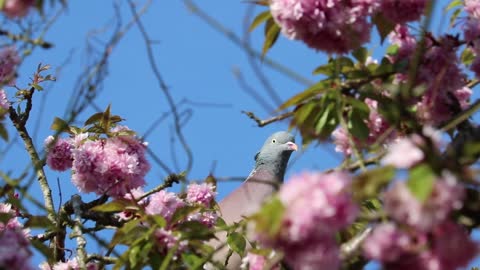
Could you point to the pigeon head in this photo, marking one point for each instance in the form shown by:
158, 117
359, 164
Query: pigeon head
274, 154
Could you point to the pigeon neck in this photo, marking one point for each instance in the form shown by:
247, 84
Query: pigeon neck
274, 167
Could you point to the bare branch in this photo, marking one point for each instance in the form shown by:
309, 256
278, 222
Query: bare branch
164, 88
268, 121
77, 231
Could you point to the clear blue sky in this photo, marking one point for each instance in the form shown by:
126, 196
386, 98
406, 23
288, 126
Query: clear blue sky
197, 63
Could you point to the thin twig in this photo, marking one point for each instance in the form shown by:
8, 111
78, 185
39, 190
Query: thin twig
238, 41
163, 87
268, 121
350, 248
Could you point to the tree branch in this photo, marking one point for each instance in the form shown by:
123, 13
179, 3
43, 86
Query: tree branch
268, 121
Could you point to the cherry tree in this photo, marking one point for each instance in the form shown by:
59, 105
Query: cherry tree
405, 196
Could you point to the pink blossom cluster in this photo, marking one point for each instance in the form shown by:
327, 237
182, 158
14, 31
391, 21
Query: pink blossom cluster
202, 194
333, 26
402, 11
17, 8
4, 103
337, 26
255, 261
111, 166
59, 156
165, 204
421, 235
9, 61
406, 152
403, 207
445, 84
68, 265
133, 195
447, 247
405, 42
317, 205
166, 240
15, 250
376, 124
471, 31
445, 92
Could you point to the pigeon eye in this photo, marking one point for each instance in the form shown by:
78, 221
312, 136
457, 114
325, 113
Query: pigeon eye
274, 141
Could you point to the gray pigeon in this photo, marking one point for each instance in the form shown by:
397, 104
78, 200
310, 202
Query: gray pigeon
268, 174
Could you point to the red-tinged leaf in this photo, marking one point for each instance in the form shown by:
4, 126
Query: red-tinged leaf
95, 118
384, 25
113, 206
361, 54
3, 132
59, 125
260, 18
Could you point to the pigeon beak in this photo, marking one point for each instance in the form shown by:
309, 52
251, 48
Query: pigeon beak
292, 146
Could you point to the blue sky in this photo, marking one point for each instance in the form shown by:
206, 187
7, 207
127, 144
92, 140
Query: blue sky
197, 64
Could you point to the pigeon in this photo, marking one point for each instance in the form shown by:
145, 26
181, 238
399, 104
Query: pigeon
270, 164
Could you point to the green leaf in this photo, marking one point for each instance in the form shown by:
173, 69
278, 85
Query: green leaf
360, 54
106, 118
167, 259
325, 117
38, 222
3, 132
327, 69
368, 184
133, 255
192, 261
260, 18
467, 56
59, 125
182, 213
384, 25
269, 219
421, 181
356, 124
129, 232
453, 4
37, 87
44, 249
159, 220
195, 230
95, 118
392, 49
310, 92
5, 217
303, 112
113, 206
272, 30
237, 243
454, 17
